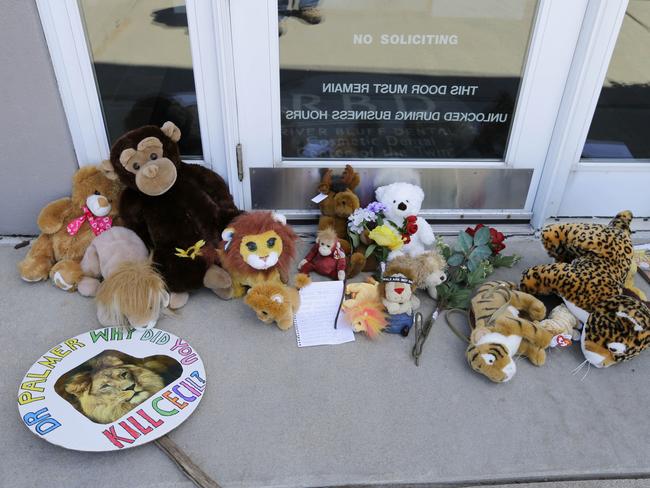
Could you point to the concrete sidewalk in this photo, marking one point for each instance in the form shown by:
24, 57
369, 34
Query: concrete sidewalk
358, 413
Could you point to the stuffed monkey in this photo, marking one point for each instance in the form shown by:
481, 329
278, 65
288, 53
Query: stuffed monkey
326, 256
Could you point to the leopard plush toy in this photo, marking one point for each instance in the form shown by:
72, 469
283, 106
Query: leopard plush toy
592, 263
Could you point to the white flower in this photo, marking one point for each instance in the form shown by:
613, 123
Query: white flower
358, 218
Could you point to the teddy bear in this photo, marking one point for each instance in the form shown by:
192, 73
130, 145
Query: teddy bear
403, 202
178, 209
341, 202
69, 225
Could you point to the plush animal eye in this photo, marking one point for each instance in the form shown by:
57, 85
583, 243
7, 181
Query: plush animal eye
616, 347
123, 374
251, 246
394, 201
136, 166
271, 242
105, 386
264, 312
96, 192
153, 156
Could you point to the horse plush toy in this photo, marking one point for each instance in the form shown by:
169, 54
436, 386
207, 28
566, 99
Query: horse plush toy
592, 262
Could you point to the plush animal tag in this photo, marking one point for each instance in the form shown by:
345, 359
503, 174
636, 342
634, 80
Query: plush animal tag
561, 340
319, 198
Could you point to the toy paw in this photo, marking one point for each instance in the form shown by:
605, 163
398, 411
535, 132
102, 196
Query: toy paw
33, 270
88, 286
217, 278
537, 357
537, 311
66, 275
178, 300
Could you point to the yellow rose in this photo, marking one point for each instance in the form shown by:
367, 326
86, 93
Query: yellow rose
386, 237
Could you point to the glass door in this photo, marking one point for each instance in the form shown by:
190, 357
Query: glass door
460, 96
612, 172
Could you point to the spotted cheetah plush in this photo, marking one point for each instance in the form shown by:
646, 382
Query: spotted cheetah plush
592, 263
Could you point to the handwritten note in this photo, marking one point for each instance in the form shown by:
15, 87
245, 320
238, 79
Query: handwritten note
319, 303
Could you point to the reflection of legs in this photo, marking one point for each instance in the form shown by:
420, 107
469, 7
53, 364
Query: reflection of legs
308, 12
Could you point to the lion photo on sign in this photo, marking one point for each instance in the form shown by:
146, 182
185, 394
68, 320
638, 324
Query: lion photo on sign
112, 383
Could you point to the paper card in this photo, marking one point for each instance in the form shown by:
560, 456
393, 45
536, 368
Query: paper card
319, 198
145, 382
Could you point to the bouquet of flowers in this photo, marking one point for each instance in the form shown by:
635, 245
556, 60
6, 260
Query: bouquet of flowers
471, 260
368, 227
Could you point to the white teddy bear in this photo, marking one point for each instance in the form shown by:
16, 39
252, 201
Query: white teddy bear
403, 200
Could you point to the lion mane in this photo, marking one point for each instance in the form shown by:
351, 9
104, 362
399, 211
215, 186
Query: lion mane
256, 223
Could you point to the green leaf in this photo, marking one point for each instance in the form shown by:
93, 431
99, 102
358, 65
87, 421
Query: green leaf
471, 265
499, 261
476, 277
482, 236
370, 250
461, 299
465, 242
355, 240
455, 259
480, 253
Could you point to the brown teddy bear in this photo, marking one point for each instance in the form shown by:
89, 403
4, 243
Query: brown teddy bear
68, 226
340, 203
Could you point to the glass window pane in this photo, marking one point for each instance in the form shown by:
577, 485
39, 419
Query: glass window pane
432, 79
620, 128
143, 66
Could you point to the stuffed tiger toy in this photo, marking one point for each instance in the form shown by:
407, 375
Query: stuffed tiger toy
506, 322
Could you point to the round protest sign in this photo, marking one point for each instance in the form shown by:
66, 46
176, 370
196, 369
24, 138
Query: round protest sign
111, 388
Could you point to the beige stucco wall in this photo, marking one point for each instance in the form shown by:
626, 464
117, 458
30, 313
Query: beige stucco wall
37, 158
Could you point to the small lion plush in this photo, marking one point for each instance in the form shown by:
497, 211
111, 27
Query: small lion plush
276, 302
428, 268
68, 226
403, 202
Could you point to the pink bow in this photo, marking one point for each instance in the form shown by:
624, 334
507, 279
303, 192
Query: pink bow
97, 224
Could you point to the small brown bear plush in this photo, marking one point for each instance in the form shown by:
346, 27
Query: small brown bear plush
69, 225
340, 203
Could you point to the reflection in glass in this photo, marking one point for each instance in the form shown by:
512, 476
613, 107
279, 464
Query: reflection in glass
143, 66
620, 128
435, 79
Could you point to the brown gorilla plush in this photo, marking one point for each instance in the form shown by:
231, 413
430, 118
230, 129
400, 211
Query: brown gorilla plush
179, 210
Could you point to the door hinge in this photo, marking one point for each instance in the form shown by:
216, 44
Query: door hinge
240, 162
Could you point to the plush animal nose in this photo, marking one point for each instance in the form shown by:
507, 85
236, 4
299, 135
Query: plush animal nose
102, 201
402, 206
399, 291
150, 171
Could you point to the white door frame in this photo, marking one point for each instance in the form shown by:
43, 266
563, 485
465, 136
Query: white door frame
550, 54
563, 170
211, 49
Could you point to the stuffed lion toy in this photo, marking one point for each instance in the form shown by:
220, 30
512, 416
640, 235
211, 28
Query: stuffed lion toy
276, 302
592, 264
257, 247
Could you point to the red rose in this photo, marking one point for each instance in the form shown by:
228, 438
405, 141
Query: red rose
497, 239
471, 231
406, 238
412, 218
411, 228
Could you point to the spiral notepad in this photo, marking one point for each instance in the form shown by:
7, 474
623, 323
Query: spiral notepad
314, 322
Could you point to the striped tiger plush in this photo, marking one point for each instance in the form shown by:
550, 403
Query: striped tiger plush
504, 322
